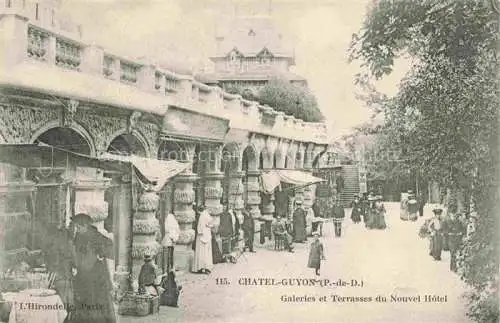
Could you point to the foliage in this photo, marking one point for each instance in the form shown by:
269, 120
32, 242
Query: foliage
290, 99
444, 117
245, 93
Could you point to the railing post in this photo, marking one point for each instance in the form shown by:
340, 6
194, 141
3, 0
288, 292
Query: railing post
14, 38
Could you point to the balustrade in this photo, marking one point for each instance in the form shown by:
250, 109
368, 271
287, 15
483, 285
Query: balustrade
171, 84
107, 68
68, 54
128, 72
55, 46
37, 43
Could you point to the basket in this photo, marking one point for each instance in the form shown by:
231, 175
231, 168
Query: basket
139, 305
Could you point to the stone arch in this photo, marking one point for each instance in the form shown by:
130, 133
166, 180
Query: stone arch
135, 138
279, 159
250, 158
79, 129
231, 157
266, 158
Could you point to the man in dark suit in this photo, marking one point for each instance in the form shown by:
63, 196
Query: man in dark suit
226, 230
338, 216
248, 228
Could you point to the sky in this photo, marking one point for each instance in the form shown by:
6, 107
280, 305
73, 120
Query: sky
183, 32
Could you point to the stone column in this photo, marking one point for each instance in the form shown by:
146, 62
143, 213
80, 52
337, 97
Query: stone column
145, 228
121, 212
184, 213
236, 190
253, 192
213, 194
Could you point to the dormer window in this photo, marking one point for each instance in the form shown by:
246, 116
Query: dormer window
265, 57
251, 33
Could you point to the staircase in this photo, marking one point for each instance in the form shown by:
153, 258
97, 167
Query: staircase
351, 184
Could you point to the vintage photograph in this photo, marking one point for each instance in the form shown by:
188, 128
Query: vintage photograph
265, 161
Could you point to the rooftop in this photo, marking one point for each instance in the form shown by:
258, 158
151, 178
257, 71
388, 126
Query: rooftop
250, 35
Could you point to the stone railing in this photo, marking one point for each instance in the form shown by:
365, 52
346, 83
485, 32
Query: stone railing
29, 40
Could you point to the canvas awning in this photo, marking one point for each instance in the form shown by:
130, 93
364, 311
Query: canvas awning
151, 171
272, 178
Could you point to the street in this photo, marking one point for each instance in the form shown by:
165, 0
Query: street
391, 262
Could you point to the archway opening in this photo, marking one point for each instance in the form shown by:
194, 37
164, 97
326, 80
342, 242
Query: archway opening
53, 202
127, 144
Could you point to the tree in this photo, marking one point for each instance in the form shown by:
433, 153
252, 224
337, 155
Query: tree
445, 115
245, 93
290, 99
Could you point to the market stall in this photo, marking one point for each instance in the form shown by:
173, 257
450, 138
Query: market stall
284, 183
34, 213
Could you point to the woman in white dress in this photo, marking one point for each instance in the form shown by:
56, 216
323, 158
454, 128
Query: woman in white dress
203, 253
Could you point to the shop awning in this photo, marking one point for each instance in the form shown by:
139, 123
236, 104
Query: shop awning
151, 171
156, 171
272, 178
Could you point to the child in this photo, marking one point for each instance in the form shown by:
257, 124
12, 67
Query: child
147, 277
316, 254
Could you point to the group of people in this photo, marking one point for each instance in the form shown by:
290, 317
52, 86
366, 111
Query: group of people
78, 257
446, 232
205, 246
412, 206
369, 208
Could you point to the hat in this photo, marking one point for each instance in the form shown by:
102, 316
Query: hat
201, 208
410, 191
315, 234
147, 257
437, 210
82, 218
298, 202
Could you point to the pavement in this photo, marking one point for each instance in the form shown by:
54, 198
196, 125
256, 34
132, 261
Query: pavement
368, 276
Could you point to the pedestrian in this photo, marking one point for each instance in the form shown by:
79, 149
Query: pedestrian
248, 228
316, 254
92, 280
147, 277
279, 229
455, 231
412, 206
421, 203
338, 216
172, 290
316, 209
226, 230
172, 233
356, 210
203, 261
365, 204
371, 213
380, 214
195, 224
435, 229
299, 223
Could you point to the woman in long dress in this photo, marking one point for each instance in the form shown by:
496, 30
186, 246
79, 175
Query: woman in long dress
356, 210
371, 214
203, 262
380, 215
435, 229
